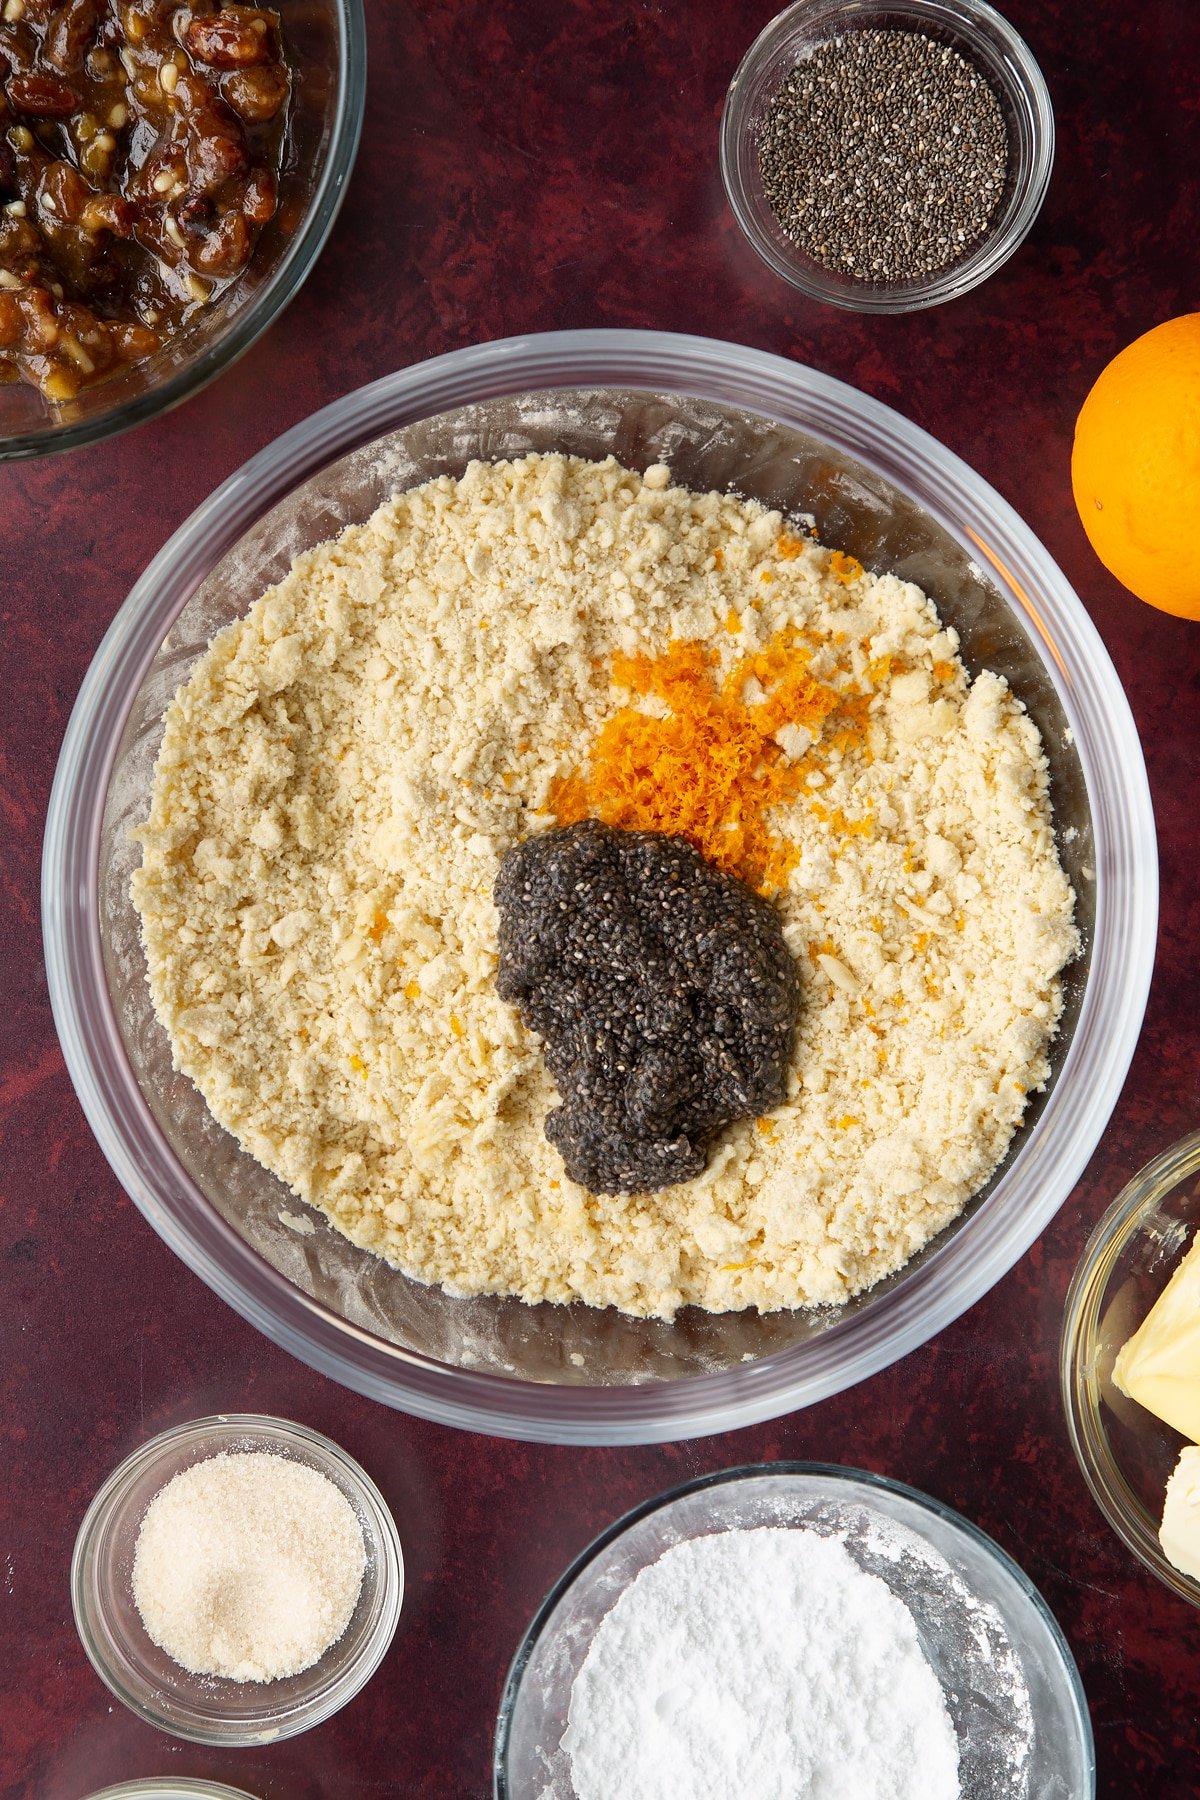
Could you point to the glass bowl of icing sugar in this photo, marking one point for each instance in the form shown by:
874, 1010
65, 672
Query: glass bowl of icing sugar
794, 1628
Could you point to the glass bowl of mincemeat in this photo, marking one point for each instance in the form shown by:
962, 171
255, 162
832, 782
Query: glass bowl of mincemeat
167, 181
887, 155
723, 417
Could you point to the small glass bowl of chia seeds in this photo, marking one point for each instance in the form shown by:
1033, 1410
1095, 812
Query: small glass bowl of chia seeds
887, 155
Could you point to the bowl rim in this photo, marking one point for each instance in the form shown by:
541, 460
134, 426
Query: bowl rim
1025, 86
180, 1787
279, 288
838, 1474
1056, 1149
324, 1453
1120, 1506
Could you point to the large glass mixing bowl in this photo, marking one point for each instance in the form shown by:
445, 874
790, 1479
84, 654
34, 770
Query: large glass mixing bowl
720, 416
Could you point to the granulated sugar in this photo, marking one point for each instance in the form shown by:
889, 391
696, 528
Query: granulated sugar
764, 1663
248, 1565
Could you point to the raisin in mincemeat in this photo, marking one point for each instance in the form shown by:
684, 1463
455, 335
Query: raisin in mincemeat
663, 991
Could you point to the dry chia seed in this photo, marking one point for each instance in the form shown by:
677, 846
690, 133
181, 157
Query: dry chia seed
662, 989
884, 155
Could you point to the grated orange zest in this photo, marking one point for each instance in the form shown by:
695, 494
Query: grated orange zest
710, 771
844, 568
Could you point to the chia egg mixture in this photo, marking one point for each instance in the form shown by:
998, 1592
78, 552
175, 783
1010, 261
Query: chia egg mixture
579, 888
663, 992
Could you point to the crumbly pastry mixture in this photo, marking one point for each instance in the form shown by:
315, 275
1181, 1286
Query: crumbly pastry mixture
347, 764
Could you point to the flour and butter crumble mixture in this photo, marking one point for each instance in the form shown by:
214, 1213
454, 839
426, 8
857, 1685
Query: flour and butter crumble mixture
535, 642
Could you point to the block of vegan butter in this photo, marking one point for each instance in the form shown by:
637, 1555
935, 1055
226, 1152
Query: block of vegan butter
1160, 1365
1180, 1533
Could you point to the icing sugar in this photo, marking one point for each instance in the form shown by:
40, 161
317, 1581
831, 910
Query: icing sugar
760, 1662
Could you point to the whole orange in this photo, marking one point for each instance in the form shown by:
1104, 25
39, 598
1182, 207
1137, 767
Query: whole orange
1135, 466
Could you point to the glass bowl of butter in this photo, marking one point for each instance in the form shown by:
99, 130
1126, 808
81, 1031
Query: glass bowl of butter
1130, 1366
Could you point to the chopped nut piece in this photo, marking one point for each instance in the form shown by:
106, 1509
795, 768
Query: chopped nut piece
256, 94
839, 974
77, 354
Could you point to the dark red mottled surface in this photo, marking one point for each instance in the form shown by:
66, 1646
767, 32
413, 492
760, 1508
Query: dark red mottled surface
528, 164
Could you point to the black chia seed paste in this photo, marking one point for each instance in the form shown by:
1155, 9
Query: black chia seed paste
663, 991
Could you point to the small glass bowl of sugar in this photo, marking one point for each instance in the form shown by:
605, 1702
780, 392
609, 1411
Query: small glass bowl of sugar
139, 1562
